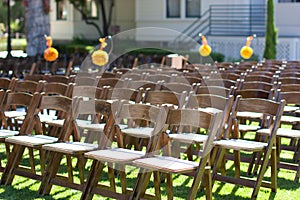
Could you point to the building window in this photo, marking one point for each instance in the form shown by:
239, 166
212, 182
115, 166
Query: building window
173, 8
192, 8
61, 10
92, 9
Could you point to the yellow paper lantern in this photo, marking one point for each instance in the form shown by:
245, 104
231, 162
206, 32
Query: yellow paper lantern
50, 54
246, 51
204, 49
100, 57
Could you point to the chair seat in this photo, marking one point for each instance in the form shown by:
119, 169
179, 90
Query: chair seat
31, 140
245, 127
8, 133
14, 113
47, 118
282, 132
166, 164
289, 119
115, 155
188, 137
252, 115
92, 127
142, 132
70, 147
55, 122
291, 108
244, 145
210, 110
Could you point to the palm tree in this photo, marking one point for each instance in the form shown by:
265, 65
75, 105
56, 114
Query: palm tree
37, 25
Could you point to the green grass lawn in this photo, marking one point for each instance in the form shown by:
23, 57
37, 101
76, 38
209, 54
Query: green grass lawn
17, 44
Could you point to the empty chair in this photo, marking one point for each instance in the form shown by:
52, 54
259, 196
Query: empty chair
77, 148
6, 83
9, 101
122, 156
177, 87
167, 164
164, 97
215, 90
289, 80
232, 141
143, 84
158, 77
222, 83
111, 82
33, 140
292, 133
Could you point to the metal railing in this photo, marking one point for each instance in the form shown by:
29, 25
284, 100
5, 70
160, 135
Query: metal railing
228, 20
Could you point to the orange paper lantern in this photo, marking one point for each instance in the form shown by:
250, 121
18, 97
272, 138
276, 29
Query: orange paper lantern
204, 49
246, 51
100, 57
50, 54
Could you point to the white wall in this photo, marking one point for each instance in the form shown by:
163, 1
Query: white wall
61, 30
287, 19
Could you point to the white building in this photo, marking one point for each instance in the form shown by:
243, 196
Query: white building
169, 18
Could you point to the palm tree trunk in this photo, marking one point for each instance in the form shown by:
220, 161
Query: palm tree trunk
37, 26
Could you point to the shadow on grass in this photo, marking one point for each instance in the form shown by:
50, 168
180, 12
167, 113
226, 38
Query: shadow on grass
12, 193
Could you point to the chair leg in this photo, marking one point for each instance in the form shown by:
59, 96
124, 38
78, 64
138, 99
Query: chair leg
50, 173
141, 184
13, 161
31, 160
81, 163
156, 175
70, 168
208, 183
92, 180
261, 172
169, 186
273, 162
218, 162
111, 177
197, 178
237, 161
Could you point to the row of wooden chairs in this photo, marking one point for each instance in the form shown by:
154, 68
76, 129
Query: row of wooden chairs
55, 182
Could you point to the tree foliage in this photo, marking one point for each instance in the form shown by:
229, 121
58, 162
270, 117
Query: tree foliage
105, 8
271, 33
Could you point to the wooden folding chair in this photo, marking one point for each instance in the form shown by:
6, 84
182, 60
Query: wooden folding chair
177, 87
121, 156
6, 83
215, 90
272, 111
15, 115
10, 99
35, 139
165, 97
291, 119
143, 84
166, 164
96, 108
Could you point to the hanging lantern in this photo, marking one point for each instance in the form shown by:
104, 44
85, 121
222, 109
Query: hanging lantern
204, 49
246, 51
50, 54
100, 57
